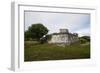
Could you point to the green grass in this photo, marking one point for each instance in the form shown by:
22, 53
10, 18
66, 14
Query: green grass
38, 52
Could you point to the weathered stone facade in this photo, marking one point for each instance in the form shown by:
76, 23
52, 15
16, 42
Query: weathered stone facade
63, 37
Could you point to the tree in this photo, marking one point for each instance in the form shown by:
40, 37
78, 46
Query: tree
84, 39
36, 31
87, 38
27, 35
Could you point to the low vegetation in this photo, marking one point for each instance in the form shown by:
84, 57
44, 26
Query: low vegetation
35, 51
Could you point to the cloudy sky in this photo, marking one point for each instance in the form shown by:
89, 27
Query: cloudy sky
76, 23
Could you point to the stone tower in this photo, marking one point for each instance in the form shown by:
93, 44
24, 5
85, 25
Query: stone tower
64, 31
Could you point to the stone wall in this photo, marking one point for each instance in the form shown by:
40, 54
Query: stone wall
64, 38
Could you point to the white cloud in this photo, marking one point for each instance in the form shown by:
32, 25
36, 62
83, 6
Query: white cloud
84, 32
56, 21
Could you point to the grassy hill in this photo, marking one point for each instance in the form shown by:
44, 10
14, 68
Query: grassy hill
38, 52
